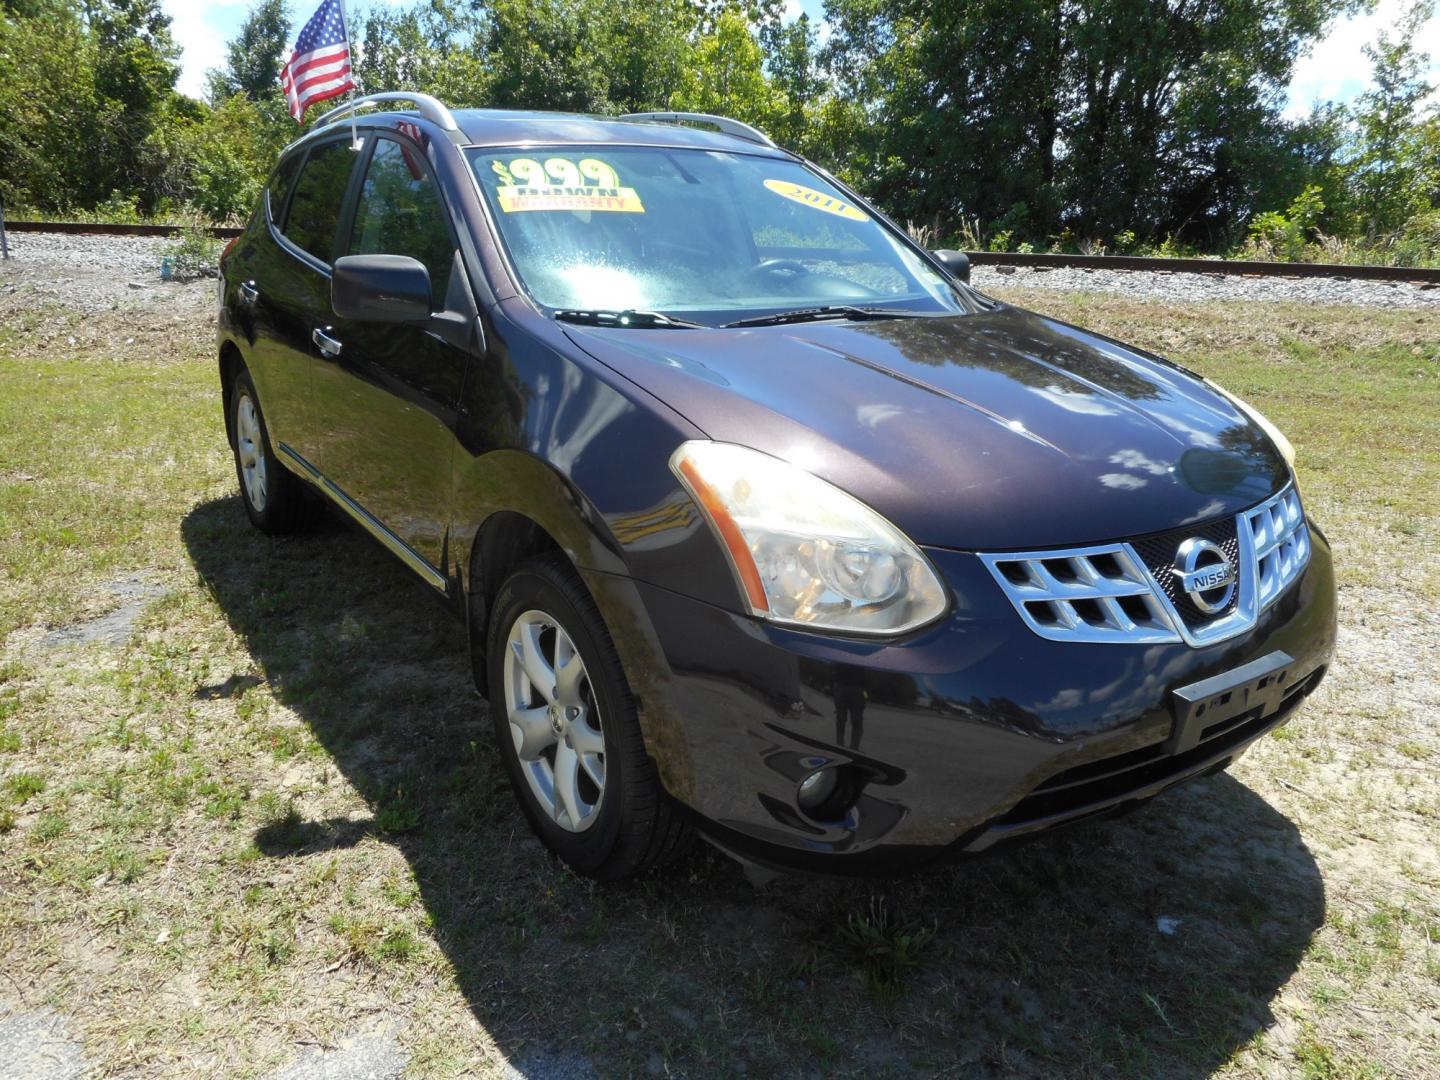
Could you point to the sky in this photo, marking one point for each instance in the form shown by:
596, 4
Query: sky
1336, 68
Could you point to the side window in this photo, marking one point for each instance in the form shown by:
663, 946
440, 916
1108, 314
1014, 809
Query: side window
315, 207
400, 213
279, 187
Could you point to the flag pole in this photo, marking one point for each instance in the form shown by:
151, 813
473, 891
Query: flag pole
354, 78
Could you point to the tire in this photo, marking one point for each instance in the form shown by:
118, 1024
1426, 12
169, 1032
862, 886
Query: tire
275, 499
622, 823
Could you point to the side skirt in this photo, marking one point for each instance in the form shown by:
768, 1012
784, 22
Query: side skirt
371, 524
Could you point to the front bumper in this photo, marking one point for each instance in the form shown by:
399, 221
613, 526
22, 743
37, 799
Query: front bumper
970, 734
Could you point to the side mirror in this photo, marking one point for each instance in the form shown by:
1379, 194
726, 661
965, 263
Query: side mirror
957, 262
380, 288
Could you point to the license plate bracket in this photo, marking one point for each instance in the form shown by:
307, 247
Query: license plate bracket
1260, 684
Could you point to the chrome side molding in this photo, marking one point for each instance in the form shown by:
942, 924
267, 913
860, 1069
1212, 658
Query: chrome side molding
371, 524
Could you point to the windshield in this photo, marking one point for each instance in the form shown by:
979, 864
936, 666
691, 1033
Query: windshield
695, 234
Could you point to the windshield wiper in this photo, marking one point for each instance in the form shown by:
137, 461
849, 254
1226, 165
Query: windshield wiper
829, 311
631, 318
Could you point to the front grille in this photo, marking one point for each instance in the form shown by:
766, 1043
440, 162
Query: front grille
1158, 553
1129, 593
1080, 789
1087, 594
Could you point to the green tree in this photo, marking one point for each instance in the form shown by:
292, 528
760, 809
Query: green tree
221, 159
48, 108
546, 54
1394, 170
727, 74
254, 56
792, 59
430, 48
648, 50
1084, 117
135, 70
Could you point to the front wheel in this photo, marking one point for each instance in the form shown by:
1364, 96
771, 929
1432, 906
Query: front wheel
567, 728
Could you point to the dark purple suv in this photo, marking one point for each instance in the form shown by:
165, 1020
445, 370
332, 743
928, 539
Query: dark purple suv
762, 521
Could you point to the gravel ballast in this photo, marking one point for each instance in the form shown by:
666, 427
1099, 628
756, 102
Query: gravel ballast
1169, 285
102, 271
96, 273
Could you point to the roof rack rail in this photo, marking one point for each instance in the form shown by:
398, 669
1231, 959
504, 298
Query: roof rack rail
427, 106
726, 125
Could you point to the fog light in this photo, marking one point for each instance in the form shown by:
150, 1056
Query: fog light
816, 788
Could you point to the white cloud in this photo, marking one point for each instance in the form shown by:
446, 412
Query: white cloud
201, 31
1337, 69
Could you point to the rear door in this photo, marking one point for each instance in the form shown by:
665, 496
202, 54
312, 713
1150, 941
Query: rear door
385, 403
294, 290
253, 274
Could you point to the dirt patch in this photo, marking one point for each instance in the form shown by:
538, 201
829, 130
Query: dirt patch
371, 1056
114, 627
39, 1046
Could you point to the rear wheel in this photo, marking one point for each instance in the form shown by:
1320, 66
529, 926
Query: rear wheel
567, 728
275, 499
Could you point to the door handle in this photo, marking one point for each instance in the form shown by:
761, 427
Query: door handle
327, 345
248, 293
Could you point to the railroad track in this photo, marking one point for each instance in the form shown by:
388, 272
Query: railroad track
1221, 267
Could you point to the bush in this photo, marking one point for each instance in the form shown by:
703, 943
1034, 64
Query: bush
194, 254
1419, 241
1287, 236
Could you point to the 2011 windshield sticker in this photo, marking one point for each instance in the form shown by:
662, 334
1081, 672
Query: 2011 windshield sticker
816, 200
562, 184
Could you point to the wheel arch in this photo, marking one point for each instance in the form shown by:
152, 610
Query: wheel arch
505, 539
230, 363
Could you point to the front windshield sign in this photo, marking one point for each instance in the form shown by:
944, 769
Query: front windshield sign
699, 234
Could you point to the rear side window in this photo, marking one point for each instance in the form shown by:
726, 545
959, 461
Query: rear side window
400, 213
279, 187
315, 206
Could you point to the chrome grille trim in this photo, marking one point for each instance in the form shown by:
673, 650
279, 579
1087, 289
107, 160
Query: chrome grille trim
1096, 579
1274, 549
1281, 542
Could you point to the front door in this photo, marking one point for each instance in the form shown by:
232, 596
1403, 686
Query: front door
384, 402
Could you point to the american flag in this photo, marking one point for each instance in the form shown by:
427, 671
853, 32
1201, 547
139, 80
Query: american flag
319, 67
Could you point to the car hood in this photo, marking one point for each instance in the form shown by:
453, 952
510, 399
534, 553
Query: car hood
1001, 430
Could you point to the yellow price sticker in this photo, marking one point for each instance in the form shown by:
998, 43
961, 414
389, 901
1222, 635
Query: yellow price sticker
515, 199
559, 183
816, 200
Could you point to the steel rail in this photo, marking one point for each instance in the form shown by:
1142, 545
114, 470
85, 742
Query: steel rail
83, 228
1144, 264
1224, 267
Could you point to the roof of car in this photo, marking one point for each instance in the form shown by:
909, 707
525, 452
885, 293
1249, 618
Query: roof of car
505, 127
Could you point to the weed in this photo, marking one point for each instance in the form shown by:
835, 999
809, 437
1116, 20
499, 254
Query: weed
398, 813
887, 946
194, 254
399, 944
24, 786
50, 827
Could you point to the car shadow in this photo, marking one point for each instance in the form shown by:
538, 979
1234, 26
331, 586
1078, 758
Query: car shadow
1152, 945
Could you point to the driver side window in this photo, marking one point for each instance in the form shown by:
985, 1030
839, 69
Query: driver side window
400, 213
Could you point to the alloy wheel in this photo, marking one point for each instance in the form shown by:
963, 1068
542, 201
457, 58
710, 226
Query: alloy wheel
554, 720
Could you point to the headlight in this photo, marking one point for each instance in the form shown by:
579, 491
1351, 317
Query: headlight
1276, 436
805, 552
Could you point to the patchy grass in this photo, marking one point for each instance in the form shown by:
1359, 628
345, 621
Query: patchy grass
272, 816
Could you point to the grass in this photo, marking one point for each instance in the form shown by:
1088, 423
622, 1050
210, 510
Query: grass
271, 815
